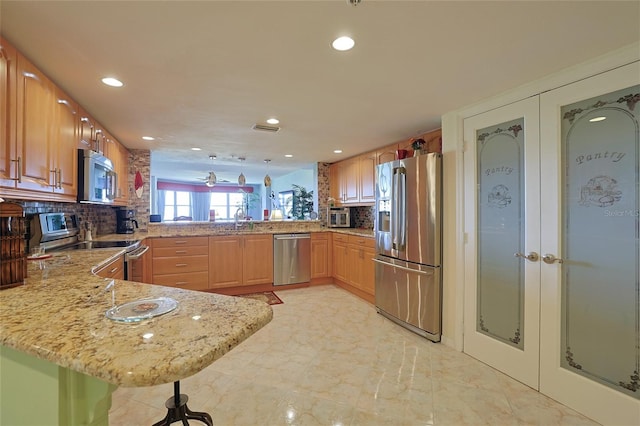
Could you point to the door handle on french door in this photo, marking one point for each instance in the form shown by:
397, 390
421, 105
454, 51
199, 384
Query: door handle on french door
550, 259
531, 257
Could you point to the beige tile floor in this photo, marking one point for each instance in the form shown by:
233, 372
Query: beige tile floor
328, 358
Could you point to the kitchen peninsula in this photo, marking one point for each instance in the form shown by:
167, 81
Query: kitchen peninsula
61, 353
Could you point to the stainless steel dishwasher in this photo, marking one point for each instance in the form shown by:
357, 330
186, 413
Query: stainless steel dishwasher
291, 258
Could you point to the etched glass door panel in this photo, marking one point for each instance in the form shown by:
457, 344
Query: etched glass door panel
590, 279
500, 234
502, 192
600, 206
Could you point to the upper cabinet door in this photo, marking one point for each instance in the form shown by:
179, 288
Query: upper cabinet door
33, 127
86, 130
590, 240
65, 142
8, 155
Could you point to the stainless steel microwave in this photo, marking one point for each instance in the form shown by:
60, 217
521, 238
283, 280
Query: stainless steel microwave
97, 181
339, 217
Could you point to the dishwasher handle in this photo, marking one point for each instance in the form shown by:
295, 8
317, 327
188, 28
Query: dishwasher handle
292, 237
136, 254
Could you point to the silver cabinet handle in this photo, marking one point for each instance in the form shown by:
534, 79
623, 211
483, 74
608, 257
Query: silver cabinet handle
18, 170
59, 178
550, 259
55, 177
531, 257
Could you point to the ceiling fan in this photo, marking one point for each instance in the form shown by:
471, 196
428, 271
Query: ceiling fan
211, 180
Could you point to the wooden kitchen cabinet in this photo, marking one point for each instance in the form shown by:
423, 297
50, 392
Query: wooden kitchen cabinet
257, 259
225, 261
65, 142
39, 133
114, 269
367, 177
8, 156
181, 262
86, 127
386, 154
353, 267
344, 181
238, 260
433, 142
361, 273
320, 255
352, 181
119, 156
340, 257
34, 106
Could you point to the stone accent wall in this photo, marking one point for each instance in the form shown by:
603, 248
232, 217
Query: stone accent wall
140, 161
323, 191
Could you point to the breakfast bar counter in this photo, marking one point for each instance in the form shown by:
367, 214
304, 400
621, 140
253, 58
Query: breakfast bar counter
58, 317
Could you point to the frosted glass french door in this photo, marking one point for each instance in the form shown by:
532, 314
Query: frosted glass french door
590, 273
502, 228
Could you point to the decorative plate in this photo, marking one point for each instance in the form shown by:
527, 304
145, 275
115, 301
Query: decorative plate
142, 309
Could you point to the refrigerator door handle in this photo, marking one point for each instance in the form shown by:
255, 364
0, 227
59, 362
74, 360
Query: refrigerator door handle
404, 268
398, 217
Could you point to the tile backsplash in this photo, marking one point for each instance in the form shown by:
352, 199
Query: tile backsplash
363, 216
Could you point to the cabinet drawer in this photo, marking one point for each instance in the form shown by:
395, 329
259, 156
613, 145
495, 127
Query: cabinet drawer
320, 235
188, 281
177, 251
180, 242
362, 241
343, 238
179, 265
113, 269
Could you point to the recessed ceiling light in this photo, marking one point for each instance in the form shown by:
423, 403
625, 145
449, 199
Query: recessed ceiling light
273, 121
595, 119
288, 155
343, 43
113, 82
337, 151
196, 149
148, 138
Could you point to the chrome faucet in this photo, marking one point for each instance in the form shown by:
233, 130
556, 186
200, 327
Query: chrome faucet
237, 216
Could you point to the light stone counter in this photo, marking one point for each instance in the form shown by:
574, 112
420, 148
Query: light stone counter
59, 316
203, 229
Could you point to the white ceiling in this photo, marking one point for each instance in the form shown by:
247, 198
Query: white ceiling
200, 74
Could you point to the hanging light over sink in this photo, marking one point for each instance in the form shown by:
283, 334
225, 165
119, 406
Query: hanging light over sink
267, 178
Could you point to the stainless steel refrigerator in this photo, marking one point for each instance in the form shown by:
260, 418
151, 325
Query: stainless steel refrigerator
408, 233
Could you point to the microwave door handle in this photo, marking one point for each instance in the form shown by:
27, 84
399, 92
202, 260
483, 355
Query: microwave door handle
111, 185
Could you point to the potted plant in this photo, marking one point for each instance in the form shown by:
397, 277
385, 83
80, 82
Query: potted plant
418, 146
302, 201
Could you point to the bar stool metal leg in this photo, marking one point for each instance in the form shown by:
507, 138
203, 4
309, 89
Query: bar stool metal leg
178, 410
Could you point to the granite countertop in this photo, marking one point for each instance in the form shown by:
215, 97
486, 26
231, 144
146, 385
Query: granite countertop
59, 316
204, 229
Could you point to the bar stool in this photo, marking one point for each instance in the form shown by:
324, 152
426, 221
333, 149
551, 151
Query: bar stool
178, 410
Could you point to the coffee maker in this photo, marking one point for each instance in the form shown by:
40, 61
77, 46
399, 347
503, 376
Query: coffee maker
126, 219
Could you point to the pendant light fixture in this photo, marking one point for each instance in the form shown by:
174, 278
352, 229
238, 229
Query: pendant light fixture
241, 179
267, 179
212, 179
